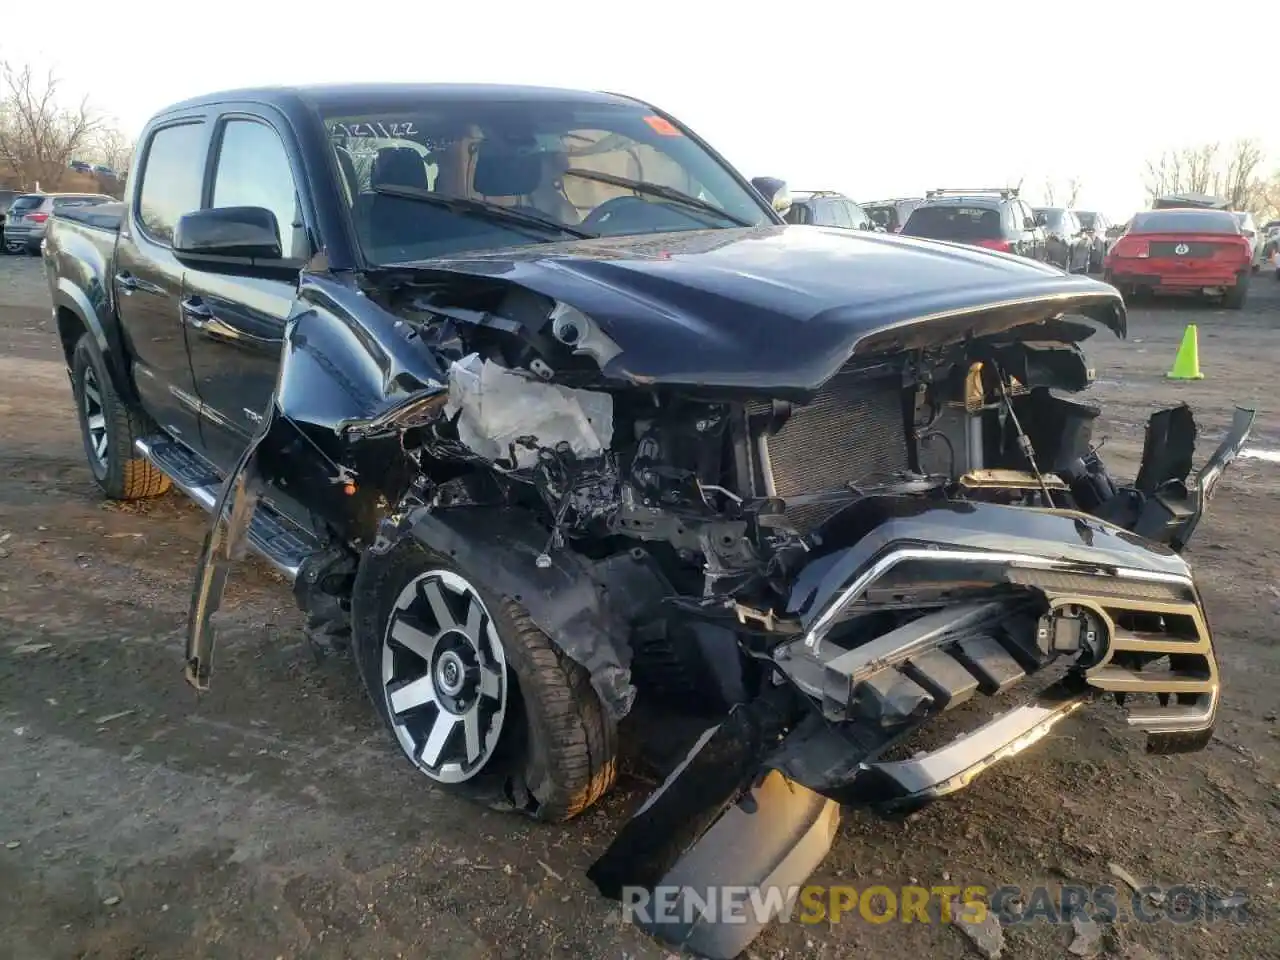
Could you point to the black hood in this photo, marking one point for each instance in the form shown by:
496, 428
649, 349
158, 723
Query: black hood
782, 308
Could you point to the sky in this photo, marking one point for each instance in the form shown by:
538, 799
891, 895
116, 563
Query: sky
873, 103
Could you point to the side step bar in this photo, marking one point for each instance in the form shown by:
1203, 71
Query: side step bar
278, 541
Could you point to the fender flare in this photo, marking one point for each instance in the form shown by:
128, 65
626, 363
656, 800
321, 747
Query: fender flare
583, 606
68, 296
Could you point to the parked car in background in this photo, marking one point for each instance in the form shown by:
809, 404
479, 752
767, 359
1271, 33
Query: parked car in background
1095, 226
1069, 247
826, 208
6, 198
1190, 201
1249, 229
993, 218
892, 214
1270, 241
1200, 251
28, 218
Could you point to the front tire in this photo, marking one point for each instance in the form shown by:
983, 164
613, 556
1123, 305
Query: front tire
477, 698
109, 427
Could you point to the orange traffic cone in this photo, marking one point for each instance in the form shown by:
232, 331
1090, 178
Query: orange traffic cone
1186, 365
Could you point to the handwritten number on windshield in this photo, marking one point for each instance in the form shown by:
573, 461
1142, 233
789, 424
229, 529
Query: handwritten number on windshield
387, 131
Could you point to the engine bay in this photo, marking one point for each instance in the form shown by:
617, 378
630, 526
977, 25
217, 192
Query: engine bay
730, 491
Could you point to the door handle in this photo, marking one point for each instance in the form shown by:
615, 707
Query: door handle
126, 282
199, 315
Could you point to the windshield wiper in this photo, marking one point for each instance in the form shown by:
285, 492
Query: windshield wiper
658, 190
483, 208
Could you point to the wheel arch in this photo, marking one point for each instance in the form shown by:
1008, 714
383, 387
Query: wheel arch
585, 607
75, 316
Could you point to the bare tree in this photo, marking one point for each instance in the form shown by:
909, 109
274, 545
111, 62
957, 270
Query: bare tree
114, 149
1240, 181
1050, 192
38, 136
1235, 174
1073, 191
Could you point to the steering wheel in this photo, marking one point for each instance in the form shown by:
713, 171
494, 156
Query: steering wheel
602, 213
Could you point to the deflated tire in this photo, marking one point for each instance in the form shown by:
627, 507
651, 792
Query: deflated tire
477, 698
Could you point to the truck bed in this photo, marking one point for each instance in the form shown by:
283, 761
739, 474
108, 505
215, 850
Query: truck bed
102, 216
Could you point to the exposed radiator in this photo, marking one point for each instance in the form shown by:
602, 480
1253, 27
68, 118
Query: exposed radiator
852, 432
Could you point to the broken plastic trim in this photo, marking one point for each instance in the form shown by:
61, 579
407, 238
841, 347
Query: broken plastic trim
1209, 475
225, 543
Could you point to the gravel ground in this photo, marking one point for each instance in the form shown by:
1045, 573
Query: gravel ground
270, 818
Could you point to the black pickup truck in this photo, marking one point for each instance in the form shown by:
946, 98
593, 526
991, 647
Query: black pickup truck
543, 408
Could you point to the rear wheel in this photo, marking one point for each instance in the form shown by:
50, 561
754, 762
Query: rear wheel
109, 427
478, 699
1236, 295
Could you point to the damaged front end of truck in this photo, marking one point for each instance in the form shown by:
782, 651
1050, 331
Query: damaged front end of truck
841, 523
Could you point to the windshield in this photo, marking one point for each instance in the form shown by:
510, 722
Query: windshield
1087, 220
1184, 221
881, 215
597, 168
954, 223
29, 202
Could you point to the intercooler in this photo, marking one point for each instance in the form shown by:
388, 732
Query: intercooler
851, 433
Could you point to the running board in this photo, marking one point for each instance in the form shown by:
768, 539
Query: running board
278, 541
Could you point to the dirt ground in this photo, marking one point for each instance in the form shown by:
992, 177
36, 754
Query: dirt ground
271, 818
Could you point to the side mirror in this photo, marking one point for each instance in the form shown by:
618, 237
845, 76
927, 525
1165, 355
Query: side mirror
775, 193
228, 234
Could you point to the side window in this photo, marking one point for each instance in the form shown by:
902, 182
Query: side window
840, 213
860, 219
172, 175
253, 171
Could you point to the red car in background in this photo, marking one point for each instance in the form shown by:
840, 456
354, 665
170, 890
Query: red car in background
1182, 251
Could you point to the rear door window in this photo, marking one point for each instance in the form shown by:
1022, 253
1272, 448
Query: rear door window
859, 217
840, 214
955, 223
172, 177
1175, 220
25, 204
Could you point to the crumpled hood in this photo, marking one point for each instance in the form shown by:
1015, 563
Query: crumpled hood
782, 308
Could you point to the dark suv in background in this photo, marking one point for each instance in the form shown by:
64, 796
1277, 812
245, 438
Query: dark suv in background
826, 208
1095, 227
1069, 246
995, 218
892, 214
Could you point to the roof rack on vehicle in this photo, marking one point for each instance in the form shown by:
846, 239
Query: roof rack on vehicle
1004, 192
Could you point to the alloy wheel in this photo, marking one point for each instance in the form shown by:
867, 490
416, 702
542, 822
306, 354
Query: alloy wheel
444, 676
95, 419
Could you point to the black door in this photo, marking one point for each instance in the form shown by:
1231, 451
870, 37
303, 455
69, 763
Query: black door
236, 323
148, 280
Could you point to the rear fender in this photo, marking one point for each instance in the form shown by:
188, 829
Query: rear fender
72, 305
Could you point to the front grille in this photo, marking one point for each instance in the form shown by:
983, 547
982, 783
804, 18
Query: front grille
851, 433
1195, 249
